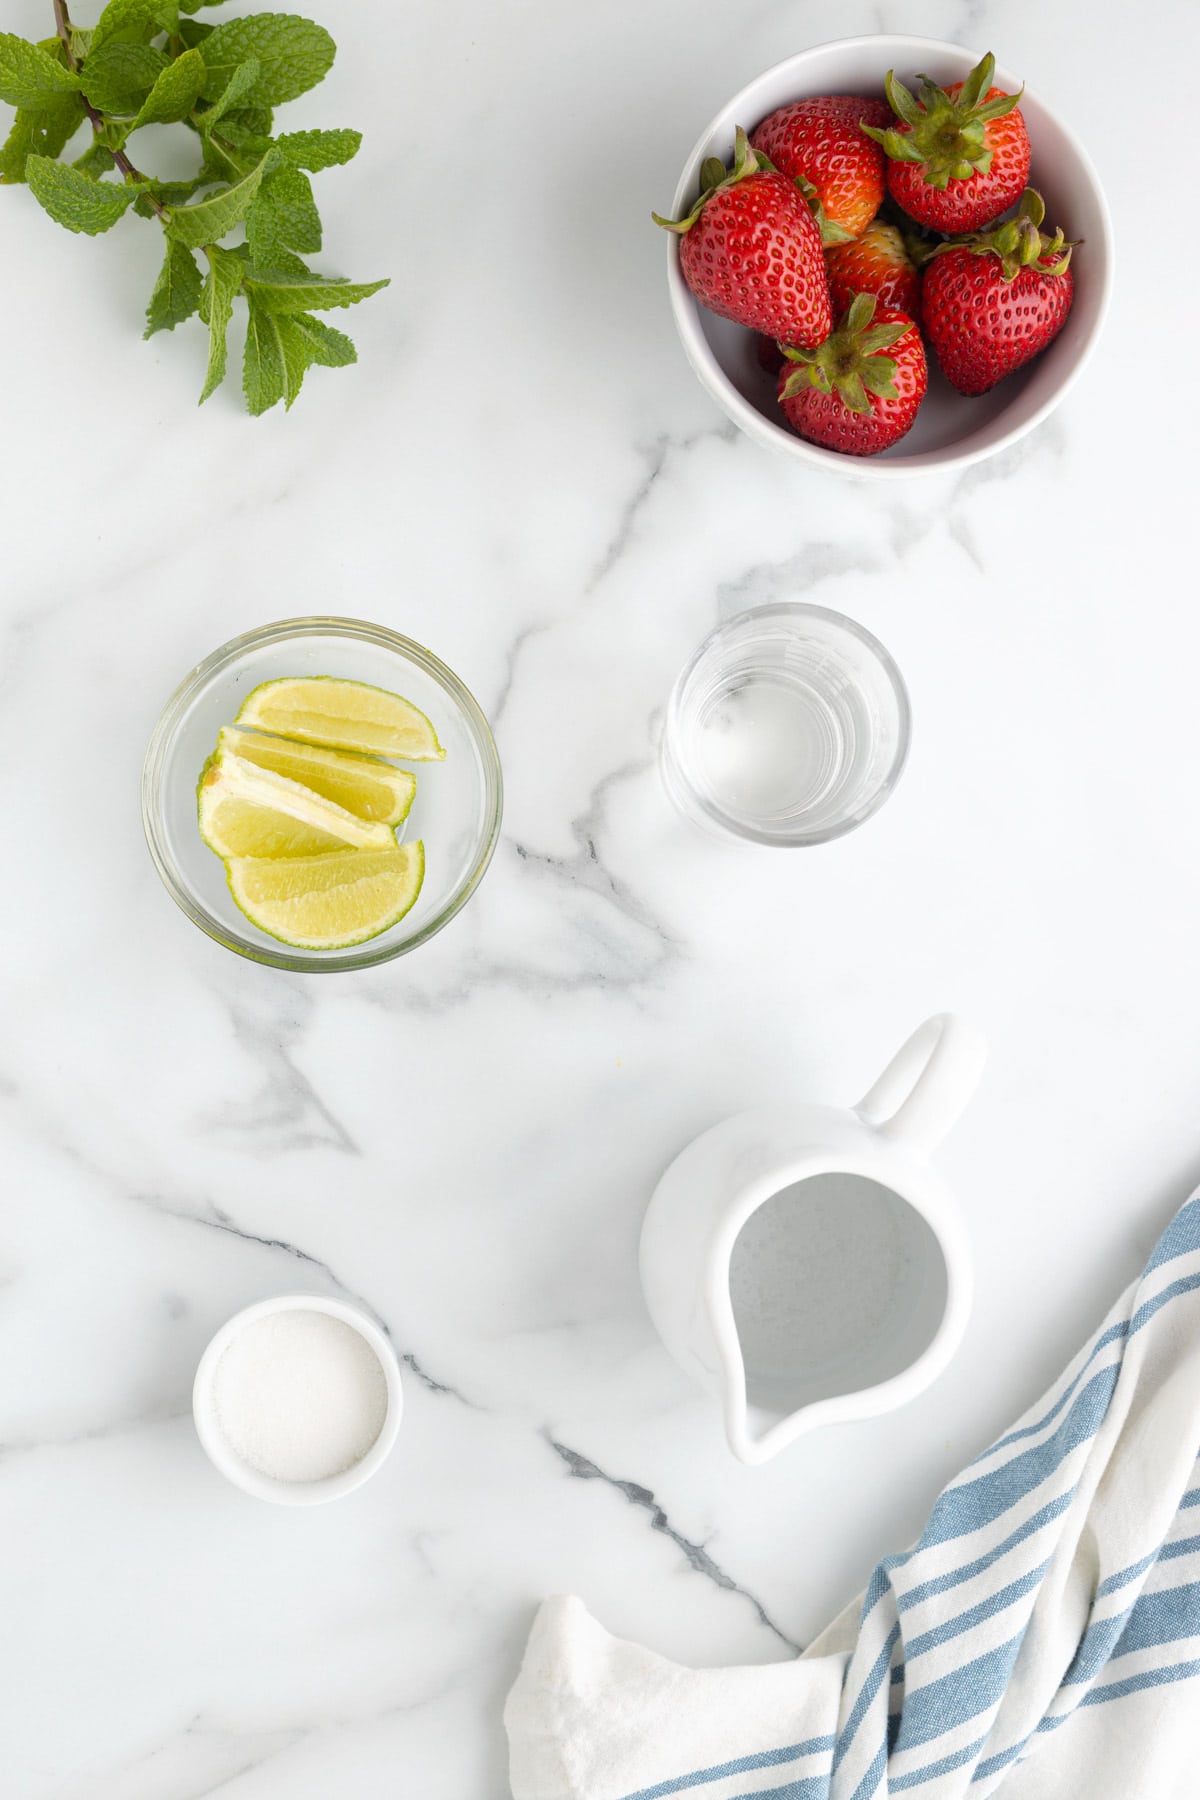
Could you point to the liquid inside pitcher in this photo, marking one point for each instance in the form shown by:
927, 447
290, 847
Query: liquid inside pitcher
837, 1284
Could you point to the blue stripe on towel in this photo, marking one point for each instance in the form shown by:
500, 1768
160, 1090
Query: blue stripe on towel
741, 1765
1114, 1335
1096, 1696
1123, 1328
945, 1765
1181, 1237
976, 1615
1123, 1577
972, 1504
1162, 1618
874, 1775
807, 1787
958, 1696
962, 1510
872, 1683
1180, 1547
966, 1571
1149, 1678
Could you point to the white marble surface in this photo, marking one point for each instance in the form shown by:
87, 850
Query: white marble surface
523, 474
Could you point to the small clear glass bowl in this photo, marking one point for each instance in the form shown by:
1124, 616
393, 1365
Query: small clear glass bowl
457, 809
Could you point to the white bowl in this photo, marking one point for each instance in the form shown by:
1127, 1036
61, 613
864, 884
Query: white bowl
952, 430
251, 1480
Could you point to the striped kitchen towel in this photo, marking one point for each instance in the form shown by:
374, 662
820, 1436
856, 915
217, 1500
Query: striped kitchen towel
1042, 1639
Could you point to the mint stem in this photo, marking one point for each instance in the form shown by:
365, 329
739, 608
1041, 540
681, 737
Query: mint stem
62, 24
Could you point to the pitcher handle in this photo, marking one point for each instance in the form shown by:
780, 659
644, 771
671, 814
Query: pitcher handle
925, 1087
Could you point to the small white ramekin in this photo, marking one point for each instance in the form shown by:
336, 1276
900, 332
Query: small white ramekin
951, 431
252, 1481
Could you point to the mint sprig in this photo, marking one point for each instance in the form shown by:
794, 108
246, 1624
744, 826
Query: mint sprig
241, 226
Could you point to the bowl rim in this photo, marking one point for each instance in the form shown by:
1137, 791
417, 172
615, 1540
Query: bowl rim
266, 1487
330, 625
685, 308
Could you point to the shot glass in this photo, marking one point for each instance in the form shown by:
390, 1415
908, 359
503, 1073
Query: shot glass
789, 726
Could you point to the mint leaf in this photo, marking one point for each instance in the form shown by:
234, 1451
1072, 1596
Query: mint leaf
294, 55
319, 149
211, 218
284, 218
296, 293
74, 199
118, 77
96, 160
216, 306
30, 76
176, 293
167, 193
46, 132
297, 357
238, 85
227, 160
332, 349
174, 93
193, 6
252, 121
174, 193
194, 33
242, 138
120, 15
280, 347
264, 370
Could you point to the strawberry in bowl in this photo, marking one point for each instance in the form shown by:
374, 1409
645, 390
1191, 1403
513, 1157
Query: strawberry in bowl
879, 263
959, 156
859, 391
751, 249
994, 300
822, 146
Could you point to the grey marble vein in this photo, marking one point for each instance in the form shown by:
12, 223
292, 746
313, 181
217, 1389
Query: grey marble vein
581, 1468
798, 576
511, 661
655, 457
285, 1112
585, 867
218, 1220
634, 952
94, 1434
239, 1758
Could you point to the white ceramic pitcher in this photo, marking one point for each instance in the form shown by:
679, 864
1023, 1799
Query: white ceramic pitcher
807, 1264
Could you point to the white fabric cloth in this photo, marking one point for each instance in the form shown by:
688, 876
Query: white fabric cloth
1041, 1640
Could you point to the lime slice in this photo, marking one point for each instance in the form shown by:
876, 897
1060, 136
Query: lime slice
342, 715
245, 811
328, 902
367, 788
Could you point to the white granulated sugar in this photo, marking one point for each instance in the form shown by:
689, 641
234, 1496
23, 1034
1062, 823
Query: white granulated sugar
300, 1395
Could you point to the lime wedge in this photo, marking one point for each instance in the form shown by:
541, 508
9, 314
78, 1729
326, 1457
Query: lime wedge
362, 785
328, 902
341, 715
246, 811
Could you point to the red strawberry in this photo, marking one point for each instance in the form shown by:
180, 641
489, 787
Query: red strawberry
847, 394
993, 302
960, 155
750, 250
876, 263
819, 144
